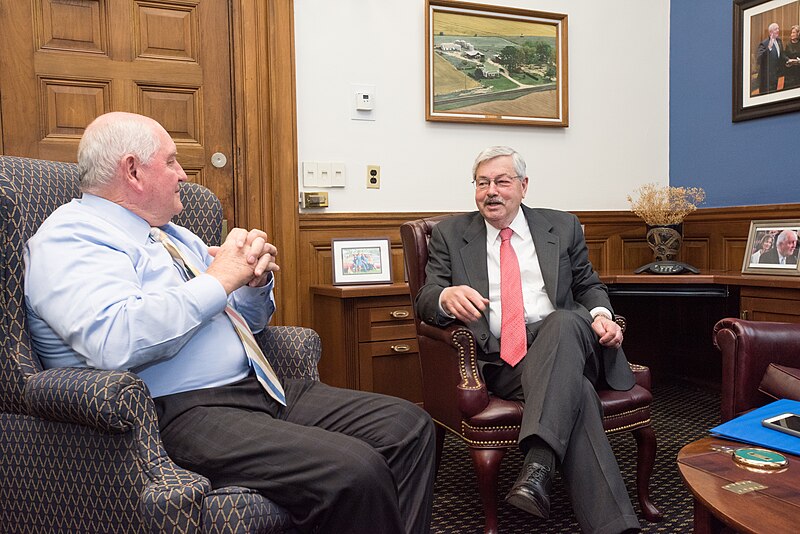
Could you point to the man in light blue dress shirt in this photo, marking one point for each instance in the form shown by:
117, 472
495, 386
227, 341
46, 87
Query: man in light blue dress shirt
101, 292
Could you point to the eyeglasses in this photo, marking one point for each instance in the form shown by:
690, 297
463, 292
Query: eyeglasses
501, 182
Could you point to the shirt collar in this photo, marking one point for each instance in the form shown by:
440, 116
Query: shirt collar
119, 216
519, 225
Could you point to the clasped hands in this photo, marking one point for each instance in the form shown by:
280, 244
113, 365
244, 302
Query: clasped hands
245, 258
467, 305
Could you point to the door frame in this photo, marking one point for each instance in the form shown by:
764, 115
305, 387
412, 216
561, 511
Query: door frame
265, 136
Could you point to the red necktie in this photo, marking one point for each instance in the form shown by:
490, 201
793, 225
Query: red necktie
513, 337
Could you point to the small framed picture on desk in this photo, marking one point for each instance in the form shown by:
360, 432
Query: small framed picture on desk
361, 261
772, 248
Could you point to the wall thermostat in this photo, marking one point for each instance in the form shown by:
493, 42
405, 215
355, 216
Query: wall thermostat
365, 101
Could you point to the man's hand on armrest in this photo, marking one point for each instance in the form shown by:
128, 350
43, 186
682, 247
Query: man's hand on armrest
462, 302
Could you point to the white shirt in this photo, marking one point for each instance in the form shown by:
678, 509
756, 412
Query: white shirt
534, 296
101, 293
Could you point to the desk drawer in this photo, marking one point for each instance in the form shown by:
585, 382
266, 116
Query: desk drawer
392, 368
386, 323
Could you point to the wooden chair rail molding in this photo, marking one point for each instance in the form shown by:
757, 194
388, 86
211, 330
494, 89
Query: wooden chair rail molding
714, 240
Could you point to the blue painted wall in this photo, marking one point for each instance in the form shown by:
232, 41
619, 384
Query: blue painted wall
750, 162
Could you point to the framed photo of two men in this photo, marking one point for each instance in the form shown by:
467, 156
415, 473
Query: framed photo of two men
772, 248
766, 58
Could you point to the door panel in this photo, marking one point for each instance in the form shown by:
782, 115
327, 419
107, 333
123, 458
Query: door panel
64, 62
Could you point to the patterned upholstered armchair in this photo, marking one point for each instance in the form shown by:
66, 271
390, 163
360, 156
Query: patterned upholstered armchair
79, 448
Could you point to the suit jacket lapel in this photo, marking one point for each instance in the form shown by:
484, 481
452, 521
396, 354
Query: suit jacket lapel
473, 254
547, 245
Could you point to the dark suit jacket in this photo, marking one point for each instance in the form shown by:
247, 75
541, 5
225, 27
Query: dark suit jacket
457, 256
771, 256
770, 66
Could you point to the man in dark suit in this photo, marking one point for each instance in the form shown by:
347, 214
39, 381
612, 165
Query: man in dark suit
770, 63
785, 250
568, 340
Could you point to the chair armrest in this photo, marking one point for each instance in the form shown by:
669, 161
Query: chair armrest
115, 402
457, 352
293, 351
237, 509
90, 397
747, 349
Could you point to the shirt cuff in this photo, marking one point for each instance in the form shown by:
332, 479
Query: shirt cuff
208, 294
253, 292
600, 310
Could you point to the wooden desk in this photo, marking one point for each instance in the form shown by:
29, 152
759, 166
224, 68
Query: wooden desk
775, 509
671, 317
369, 341
763, 297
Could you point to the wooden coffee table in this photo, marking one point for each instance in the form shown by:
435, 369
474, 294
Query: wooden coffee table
706, 467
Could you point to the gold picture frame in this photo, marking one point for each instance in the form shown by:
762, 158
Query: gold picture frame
767, 241
493, 64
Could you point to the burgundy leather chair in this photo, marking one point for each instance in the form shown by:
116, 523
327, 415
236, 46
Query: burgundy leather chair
457, 399
747, 348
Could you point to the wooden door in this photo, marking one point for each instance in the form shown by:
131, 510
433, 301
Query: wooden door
64, 62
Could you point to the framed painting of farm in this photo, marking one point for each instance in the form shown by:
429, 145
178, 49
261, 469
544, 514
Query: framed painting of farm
493, 64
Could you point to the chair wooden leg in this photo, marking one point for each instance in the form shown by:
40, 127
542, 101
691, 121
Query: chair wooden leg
487, 466
646, 446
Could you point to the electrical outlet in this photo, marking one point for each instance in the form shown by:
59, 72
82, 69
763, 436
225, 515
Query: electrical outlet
373, 176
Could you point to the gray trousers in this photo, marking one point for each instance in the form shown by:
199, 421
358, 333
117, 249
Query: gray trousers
338, 460
556, 380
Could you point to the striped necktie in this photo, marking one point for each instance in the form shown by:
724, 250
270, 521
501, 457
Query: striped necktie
264, 372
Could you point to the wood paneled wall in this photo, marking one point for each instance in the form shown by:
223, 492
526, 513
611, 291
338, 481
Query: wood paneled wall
714, 239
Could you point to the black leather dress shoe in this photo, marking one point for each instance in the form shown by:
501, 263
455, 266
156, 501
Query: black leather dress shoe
531, 491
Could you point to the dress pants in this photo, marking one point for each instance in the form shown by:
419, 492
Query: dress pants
556, 380
337, 460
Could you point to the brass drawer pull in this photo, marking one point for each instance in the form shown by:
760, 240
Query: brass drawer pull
399, 314
401, 348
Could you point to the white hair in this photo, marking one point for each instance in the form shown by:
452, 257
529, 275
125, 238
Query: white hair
497, 151
107, 141
784, 235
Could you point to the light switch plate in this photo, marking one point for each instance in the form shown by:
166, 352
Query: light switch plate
338, 175
310, 176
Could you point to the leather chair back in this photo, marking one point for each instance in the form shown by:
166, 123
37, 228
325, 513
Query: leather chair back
415, 236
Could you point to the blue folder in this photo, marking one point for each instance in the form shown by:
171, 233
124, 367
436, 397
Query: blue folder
748, 429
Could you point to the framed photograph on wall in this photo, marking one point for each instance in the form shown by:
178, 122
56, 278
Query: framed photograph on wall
493, 64
772, 248
766, 58
361, 261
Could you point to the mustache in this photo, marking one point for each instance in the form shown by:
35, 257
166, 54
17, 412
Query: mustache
493, 201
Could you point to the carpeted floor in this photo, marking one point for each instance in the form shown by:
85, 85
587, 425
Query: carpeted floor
681, 413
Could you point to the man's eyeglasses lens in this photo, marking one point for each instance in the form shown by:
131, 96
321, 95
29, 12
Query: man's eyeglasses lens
501, 182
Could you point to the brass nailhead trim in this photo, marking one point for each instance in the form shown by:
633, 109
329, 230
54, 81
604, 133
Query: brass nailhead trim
625, 414
462, 361
505, 443
632, 426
